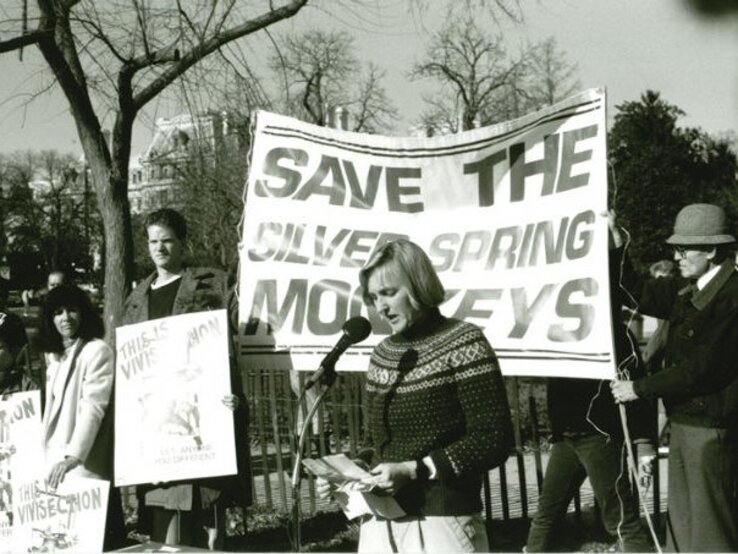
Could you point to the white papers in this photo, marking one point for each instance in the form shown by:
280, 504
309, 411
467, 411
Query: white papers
353, 495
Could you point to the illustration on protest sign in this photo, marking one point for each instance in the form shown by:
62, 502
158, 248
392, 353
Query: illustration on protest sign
171, 376
509, 215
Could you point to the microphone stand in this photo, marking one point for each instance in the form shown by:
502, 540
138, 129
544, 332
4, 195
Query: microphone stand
326, 381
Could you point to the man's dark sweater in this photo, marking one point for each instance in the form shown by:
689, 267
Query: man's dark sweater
699, 382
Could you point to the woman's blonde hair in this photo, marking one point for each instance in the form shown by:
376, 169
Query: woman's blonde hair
410, 263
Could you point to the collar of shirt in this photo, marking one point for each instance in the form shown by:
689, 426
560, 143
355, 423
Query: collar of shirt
707, 277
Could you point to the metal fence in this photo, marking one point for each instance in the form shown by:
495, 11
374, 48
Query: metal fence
510, 492
341, 427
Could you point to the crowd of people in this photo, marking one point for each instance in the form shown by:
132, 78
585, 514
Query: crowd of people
432, 435
77, 382
438, 414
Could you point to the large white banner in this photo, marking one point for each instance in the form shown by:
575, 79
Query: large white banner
170, 423
509, 215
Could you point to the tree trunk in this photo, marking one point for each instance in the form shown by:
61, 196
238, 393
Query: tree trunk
112, 201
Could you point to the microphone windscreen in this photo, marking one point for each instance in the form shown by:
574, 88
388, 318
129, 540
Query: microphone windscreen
357, 329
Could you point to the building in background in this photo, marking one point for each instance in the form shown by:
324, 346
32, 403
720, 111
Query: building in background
178, 143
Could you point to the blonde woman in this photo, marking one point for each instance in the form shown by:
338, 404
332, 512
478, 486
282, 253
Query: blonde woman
439, 416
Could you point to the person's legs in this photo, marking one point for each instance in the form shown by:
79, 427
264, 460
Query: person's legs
161, 520
678, 516
115, 529
443, 534
374, 536
183, 529
144, 515
604, 462
214, 526
564, 475
173, 526
428, 534
711, 495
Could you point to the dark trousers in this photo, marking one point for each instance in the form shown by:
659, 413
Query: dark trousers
571, 461
702, 514
115, 529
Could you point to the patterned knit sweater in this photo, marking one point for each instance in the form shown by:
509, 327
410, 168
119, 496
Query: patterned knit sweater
437, 390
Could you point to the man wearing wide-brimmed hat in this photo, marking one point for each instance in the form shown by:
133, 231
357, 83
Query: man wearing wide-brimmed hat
699, 382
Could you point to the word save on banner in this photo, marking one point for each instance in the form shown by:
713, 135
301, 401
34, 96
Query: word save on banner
171, 375
509, 215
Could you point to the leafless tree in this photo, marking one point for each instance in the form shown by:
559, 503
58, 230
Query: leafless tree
472, 68
115, 57
545, 78
482, 84
320, 72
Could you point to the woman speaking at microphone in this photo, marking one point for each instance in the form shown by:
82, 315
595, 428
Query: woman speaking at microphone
438, 410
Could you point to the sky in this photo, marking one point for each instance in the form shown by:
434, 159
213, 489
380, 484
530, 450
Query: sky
626, 46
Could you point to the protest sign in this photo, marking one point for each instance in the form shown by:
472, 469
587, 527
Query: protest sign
21, 455
510, 216
171, 376
71, 518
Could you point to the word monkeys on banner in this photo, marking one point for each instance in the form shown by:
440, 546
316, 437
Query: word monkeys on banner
509, 215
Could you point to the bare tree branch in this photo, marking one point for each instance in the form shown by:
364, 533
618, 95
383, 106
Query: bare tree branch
20, 41
321, 67
97, 32
491, 85
140, 19
188, 59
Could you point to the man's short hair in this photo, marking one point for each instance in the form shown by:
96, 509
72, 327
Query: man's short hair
167, 217
723, 252
59, 272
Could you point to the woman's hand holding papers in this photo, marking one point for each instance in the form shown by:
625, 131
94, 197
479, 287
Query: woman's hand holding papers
324, 488
390, 477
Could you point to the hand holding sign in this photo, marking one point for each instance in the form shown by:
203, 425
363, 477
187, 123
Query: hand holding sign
60, 469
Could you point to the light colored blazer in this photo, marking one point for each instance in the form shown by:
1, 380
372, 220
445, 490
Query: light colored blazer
73, 419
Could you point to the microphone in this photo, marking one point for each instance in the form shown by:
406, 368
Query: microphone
355, 330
